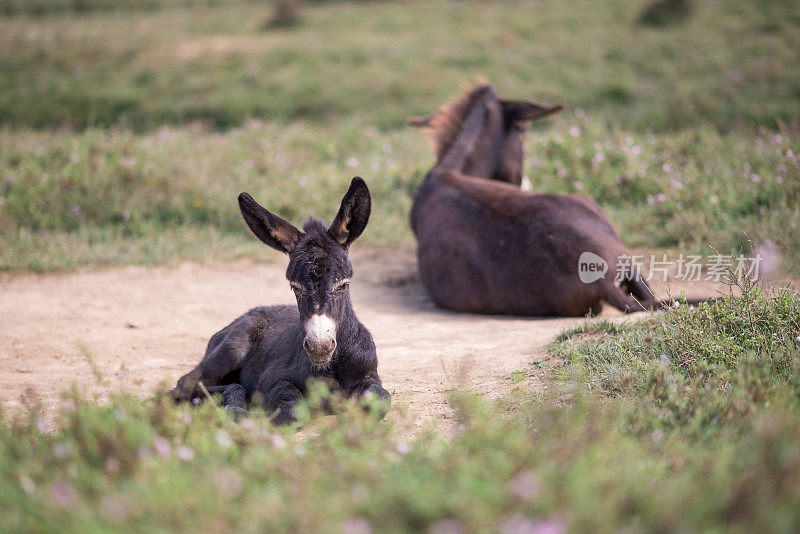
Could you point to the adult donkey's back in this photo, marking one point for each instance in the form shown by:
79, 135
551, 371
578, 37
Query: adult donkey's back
268, 355
486, 246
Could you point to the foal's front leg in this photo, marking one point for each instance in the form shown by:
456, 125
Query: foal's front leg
280, 398
234, 398
371, 385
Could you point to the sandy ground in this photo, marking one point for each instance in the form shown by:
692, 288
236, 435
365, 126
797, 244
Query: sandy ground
136, 327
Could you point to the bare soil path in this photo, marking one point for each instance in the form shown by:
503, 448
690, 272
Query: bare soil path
137, 327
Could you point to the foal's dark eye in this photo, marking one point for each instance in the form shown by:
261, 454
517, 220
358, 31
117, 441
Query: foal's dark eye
341, 288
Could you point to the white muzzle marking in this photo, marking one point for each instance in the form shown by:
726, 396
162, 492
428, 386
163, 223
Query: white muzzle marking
320, 339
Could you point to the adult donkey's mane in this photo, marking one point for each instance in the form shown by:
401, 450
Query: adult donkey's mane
445, 125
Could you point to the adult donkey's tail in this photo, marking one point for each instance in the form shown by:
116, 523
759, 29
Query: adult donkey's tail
634, 294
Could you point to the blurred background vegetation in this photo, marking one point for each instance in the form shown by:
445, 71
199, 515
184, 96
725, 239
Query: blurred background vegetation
128, 128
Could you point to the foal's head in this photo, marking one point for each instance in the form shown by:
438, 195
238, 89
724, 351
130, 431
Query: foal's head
319, 270
498, 152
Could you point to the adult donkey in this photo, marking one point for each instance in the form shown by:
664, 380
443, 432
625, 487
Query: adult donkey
268, 355
486, 246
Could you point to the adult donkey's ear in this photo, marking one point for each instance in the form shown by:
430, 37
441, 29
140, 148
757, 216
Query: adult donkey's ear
524, 110
353, 214
421, 122
276, 232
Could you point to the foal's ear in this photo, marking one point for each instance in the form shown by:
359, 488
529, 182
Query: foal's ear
276, 232
420, 122
353, 213
524, 110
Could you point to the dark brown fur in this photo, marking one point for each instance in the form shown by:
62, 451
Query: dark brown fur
485, 246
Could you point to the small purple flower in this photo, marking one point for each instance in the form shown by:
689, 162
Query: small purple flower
525, 485
61, 450
277, 441
162, 446
518, 524
224, 439
111, 465
42, 425
356, 525
446, 526
184, 453
64, 494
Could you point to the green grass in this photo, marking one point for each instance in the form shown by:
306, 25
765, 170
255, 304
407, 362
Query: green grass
105, 197
126, 136
111, 197
696, 371
734, 65
687, 421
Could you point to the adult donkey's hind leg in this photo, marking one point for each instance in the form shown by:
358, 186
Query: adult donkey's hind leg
638, 288
624, 302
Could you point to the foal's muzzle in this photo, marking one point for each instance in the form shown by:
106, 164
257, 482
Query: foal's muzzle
320, 341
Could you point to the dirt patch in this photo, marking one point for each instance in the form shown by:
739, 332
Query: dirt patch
135, 327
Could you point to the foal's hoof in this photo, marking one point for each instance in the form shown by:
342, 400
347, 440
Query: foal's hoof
178, 396
376, 401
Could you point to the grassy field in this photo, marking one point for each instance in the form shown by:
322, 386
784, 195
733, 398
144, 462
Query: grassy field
684, 422
126, 135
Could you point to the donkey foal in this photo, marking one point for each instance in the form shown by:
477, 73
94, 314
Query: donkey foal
267, 355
